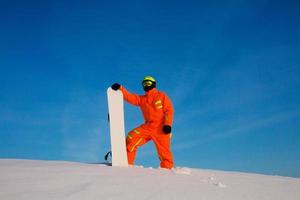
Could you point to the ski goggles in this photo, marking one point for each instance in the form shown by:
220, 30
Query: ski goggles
147, 83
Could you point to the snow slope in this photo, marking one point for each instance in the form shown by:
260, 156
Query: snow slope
42, 180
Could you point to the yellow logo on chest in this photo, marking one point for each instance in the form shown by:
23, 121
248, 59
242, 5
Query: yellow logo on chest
158, 104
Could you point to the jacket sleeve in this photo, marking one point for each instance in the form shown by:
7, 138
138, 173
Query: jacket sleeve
131, 98
168, 111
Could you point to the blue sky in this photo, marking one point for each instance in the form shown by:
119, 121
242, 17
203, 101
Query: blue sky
232, 70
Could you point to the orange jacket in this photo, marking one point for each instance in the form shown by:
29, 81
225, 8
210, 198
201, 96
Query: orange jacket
156, 106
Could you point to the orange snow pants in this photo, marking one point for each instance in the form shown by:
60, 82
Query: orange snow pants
143, 134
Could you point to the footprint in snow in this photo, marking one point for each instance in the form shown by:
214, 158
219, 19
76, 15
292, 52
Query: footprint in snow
182, 170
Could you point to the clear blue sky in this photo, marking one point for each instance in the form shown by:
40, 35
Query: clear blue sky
231, 68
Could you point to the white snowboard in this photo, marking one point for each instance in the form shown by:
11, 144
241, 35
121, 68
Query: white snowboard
117, 128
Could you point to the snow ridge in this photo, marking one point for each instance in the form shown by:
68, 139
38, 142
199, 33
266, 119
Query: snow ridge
35, 180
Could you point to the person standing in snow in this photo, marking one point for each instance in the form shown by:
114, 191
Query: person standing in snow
158, 112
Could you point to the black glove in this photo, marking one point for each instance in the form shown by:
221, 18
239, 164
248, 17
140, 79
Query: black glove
115, 86
167, 129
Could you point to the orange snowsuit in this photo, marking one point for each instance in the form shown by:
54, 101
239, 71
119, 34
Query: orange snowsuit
157, 110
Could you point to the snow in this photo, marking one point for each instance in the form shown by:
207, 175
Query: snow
36, 180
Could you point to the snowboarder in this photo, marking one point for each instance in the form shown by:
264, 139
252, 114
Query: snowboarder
158, 111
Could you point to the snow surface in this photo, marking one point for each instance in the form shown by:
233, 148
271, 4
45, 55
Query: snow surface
42, 180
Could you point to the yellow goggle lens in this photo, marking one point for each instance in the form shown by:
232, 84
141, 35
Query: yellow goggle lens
147, 83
